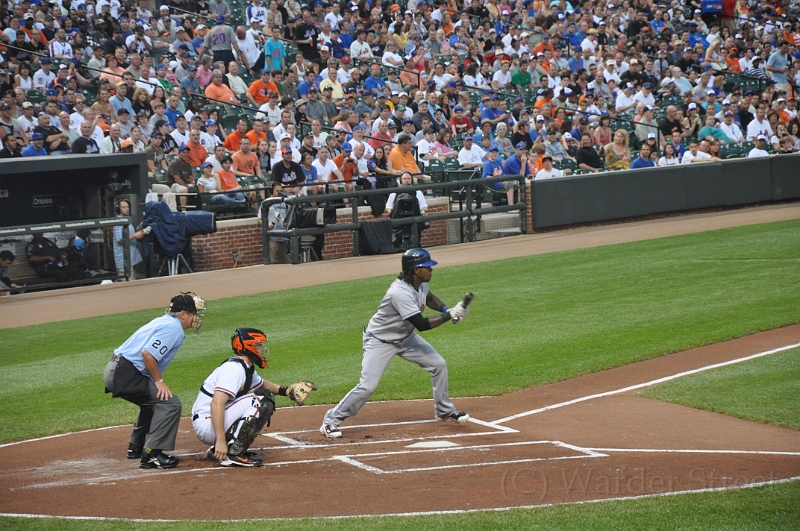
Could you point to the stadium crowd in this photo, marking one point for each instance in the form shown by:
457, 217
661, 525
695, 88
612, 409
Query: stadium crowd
222, 96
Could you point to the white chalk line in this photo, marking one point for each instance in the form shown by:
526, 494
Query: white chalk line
295, 444
699, 451
423, 513
642, 385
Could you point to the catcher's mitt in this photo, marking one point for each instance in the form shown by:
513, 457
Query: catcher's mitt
298, 392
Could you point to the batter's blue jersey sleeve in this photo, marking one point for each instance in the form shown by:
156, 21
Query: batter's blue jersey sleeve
161, 338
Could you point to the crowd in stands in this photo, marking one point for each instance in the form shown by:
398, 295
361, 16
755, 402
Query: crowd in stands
221, 95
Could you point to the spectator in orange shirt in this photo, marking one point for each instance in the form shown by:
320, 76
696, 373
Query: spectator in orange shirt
732, 60
197, 152
400, 157
245, 162
235, 137
259, 90
543, 45
257, 133
219, 91
347, 165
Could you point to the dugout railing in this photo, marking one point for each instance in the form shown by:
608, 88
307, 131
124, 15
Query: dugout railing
471, 210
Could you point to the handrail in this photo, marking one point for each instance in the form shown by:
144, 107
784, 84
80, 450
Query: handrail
294, 234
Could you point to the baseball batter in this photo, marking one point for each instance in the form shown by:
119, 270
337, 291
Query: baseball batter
135, 373
391, 331
234, 402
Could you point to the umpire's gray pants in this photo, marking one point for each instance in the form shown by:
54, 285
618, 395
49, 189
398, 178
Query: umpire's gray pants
157, 424
377, 356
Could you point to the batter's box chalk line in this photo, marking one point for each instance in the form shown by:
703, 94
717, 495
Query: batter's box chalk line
293, 443
356, 460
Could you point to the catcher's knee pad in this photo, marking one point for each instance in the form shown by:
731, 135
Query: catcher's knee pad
250, 427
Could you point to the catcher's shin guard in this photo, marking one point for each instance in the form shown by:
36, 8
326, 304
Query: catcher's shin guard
250, 427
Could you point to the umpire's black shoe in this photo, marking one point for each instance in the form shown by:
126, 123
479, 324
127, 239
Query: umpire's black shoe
157, 459
134, 451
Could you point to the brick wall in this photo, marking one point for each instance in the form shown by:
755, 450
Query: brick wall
243, 236
215, 251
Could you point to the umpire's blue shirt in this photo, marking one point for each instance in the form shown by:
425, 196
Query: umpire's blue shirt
161, 338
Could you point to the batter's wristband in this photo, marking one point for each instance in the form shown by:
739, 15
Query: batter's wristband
445, 308
446, 316
282, 390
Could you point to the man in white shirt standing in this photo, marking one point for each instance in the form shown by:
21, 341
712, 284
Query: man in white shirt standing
759, 126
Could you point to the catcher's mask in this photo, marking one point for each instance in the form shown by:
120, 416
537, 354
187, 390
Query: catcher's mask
189, 302
251, 342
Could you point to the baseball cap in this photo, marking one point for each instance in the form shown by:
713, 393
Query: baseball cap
347, 147
521, 145
44, 60
210, 122
523, 123
37, 136
692, 106
50, 92
392, 124
651, 135
183, 147
710, 92
27, 105
547, 157
206, 164
266, 71
493, 146
728, 113
458, 108
761, 137
192, 68
220, 19
540, 118
285, 136
286, 149
451, 84
567, 137
122, 110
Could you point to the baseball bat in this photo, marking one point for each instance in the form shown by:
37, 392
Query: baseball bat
468, 298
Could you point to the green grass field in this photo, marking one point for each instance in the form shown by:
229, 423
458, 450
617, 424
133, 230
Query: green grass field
534, 320
556, 316
772, 507
764, 389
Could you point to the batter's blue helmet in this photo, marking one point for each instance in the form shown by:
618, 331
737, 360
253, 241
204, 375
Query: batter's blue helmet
414, 258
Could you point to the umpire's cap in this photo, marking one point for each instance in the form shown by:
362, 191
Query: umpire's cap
185, 302
414, 258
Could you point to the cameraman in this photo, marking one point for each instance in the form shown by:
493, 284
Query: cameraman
403, 205
405, 180
138, 42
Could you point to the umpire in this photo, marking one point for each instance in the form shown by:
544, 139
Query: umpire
135, 374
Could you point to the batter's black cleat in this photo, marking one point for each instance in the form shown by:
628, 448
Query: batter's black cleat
331, 432
134, 451
241, 460
458, 416
157, 459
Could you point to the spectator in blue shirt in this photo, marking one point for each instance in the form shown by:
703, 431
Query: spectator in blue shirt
36, 147
307, 83
575, 38
643, 160
493, 168
274, 53
336, 45
576, 63
517, 164
374, 80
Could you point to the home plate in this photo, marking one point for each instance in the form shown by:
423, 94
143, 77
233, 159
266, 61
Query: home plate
433, 444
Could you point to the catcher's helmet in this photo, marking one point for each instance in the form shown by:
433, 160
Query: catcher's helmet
414, 258
253, 343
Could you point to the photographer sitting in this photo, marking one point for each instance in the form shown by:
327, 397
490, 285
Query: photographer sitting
405, 205
49, 261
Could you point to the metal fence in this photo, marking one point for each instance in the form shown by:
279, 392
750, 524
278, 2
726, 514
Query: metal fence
466, 206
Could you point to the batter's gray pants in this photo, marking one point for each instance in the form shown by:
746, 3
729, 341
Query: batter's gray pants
377, 356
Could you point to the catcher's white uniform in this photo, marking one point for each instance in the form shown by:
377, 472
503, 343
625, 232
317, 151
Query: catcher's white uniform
230, 378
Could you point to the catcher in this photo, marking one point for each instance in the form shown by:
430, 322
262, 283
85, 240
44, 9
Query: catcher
234, 402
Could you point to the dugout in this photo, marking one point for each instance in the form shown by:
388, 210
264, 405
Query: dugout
68, 196
607, 196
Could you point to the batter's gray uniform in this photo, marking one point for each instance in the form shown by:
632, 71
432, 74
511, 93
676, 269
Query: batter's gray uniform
388, 334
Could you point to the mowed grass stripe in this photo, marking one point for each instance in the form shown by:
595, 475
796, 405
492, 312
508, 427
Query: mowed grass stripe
534, 320
764, 389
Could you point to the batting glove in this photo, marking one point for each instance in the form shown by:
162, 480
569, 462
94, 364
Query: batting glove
459, 312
